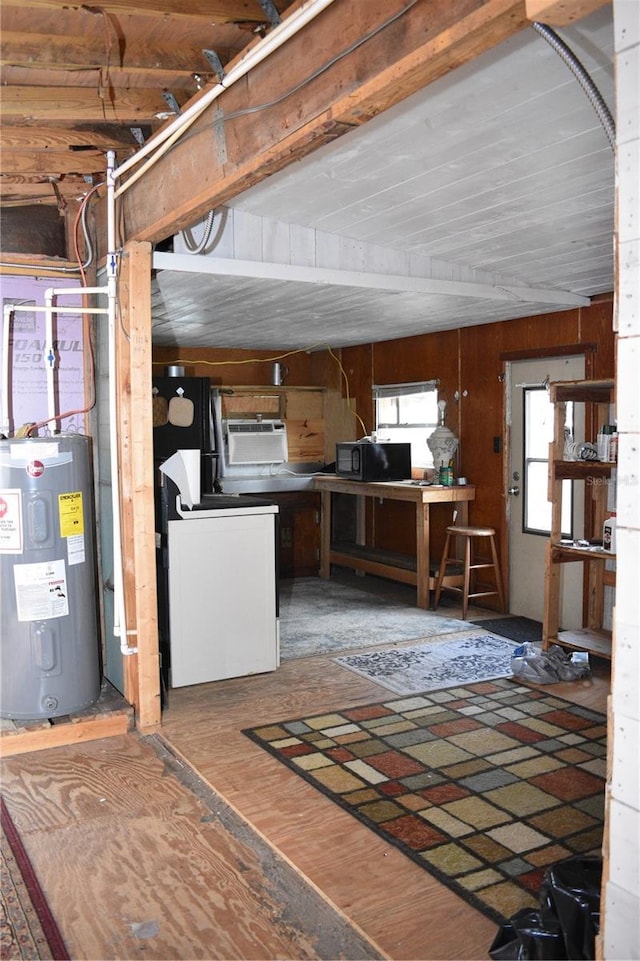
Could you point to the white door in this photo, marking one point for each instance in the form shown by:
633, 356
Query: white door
528, 510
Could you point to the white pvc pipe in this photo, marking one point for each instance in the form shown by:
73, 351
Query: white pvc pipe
119, 607
164, 139
49, 358
28, 308
49, 354
119, 611
75, 290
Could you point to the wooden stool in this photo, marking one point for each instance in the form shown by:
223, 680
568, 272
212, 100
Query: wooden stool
468, 533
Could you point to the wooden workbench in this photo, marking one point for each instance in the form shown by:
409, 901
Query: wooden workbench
359, 557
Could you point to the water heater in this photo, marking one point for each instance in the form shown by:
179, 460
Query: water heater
50, 662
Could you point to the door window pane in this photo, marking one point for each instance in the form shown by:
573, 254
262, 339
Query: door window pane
538, 434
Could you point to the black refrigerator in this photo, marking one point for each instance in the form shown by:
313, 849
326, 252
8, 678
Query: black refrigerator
182, 420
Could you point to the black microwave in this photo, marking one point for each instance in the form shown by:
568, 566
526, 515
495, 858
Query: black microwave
365, 461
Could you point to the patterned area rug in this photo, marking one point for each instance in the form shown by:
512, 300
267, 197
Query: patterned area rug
27, 928
484, 786
435, 664
319, 616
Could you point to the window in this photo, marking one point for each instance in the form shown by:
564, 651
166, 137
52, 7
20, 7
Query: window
538, 434
408, 413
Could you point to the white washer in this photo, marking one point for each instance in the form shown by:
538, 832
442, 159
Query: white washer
223, 607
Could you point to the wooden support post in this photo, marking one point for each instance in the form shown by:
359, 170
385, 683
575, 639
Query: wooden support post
423, 560
325, 534
135, 432
551, 599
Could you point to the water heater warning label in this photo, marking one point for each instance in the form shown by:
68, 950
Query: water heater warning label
41, 590
71, 515
11, 522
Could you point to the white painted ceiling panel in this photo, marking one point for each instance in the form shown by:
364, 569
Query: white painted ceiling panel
503, 166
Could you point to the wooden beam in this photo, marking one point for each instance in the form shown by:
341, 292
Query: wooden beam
110, 716
142, 670
53, 162
97, 136
268, 270
71, 105
54, 52
226, 152
18, 190
58, 735
211, 11
562, 13
23, 264
125, 418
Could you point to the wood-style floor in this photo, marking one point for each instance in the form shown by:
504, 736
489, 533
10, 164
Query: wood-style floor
138, 860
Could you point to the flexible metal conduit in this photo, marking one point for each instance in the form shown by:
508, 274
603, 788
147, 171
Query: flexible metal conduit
583, 78
200, 247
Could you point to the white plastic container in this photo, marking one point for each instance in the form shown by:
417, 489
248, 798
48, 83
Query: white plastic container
609, 534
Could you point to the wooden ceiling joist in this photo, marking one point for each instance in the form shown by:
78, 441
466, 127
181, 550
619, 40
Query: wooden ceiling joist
560, 13
26, 105
211, 11
21, 192
69, 162
58, 139
150, 63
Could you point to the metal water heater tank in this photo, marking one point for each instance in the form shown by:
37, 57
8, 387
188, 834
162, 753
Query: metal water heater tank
50, 661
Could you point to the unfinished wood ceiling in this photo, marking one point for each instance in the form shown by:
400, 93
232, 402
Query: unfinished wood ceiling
80, 79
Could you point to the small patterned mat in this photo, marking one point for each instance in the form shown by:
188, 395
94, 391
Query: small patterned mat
484, 786
434, 663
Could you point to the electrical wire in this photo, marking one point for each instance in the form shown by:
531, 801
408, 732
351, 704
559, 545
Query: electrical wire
80, 219
299, 86
320, 70
240, 362
268, 360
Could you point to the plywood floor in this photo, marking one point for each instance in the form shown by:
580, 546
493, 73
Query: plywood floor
135, 866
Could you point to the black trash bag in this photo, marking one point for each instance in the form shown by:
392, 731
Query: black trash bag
571, 888
528, 936
565, 926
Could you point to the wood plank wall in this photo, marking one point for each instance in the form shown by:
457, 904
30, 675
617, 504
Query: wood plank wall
472, 359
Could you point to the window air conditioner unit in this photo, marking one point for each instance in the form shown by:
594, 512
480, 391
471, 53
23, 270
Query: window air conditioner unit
256, 442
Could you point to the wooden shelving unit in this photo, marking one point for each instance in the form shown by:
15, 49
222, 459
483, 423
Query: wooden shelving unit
598, 395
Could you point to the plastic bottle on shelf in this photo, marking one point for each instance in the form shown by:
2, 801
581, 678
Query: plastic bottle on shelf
602, 445
446, 476
606, 446
609, 534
